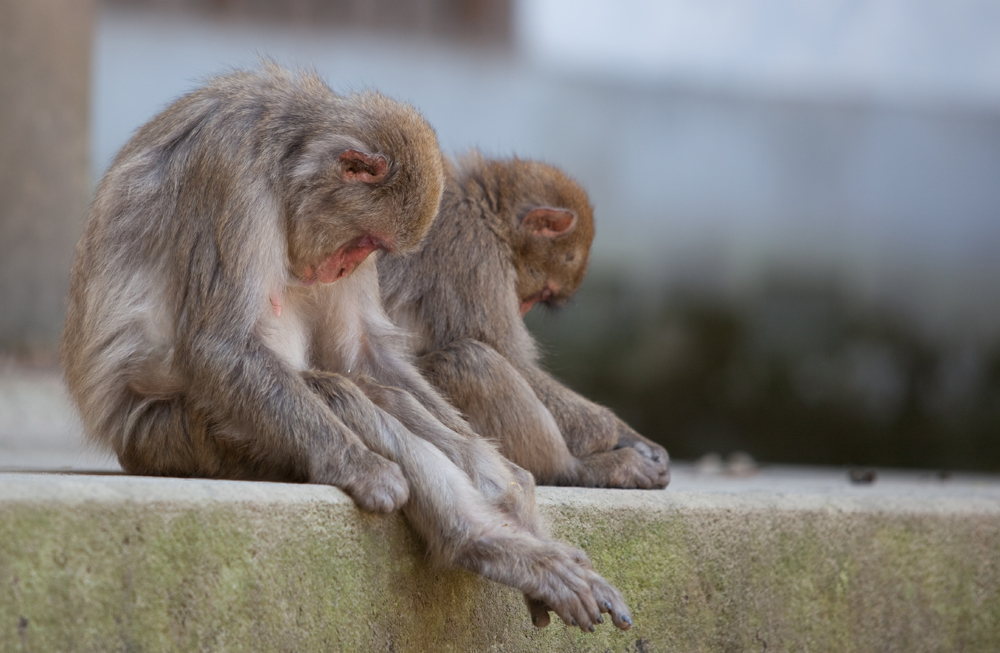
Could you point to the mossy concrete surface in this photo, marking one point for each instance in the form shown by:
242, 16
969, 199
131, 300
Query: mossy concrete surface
118, 563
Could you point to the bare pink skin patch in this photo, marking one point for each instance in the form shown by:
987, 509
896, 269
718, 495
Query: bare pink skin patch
344, 260
548, 292
275, 304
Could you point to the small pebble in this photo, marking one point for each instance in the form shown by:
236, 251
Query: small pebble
862, 476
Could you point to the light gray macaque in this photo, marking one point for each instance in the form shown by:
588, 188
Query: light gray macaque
510, 234
225, 322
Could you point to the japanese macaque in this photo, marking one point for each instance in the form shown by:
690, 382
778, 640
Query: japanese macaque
225, 322
510, 234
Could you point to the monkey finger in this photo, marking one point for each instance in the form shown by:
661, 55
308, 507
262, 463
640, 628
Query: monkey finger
539, 612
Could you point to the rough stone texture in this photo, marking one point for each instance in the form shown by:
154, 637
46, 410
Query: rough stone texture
786, 560
44, 106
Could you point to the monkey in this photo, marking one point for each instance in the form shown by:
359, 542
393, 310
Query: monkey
512, 234
225, 321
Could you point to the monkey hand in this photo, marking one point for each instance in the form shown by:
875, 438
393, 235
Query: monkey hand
377, 484
652, 463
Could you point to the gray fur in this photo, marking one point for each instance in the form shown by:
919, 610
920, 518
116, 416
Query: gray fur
462, 293
198, 341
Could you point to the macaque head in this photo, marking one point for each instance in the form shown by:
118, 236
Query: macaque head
554, 227
368, 176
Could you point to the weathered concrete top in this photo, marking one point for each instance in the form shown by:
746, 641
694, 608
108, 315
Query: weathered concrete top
788, 559
773, 486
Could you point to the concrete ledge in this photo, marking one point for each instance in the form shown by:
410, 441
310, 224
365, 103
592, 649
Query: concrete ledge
787, 560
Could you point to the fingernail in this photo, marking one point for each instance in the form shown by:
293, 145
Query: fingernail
600, 619
591, 629
626, 620
572, 622
607, 604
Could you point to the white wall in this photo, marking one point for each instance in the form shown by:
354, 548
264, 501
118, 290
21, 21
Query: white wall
861, 139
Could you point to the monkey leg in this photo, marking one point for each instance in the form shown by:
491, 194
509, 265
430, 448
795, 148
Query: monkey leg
507, 486
472, 524
501, 405
162, 437
592, 431
167, 437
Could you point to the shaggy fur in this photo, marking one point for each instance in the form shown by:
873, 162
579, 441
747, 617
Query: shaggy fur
510, 234
225, 322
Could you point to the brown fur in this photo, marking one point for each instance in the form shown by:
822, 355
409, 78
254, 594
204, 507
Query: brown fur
225, 322
510, 233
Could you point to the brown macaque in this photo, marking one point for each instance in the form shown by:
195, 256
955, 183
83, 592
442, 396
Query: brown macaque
510, 234
225, 322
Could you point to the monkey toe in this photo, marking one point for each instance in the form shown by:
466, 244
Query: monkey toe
382, 488
611, 602
566, 591
577, 612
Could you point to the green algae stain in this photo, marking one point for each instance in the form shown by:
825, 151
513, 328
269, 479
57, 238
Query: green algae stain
323, 577
100, 579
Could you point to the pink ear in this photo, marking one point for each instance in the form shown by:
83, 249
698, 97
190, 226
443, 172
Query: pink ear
549, 223
361, 166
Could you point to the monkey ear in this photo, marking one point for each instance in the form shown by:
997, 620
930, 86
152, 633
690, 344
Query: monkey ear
548, 223
362, 166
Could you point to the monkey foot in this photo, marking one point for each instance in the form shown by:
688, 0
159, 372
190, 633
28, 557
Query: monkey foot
651, 468
578, 595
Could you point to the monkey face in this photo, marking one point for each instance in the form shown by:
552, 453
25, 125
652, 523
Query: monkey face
351, 201
554, 234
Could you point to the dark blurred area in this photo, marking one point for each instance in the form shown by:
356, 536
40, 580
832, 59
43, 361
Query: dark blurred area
797, 371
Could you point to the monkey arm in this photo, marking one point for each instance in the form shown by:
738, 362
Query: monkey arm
480, 517
403, 375
589, 428
271, 414
398, 388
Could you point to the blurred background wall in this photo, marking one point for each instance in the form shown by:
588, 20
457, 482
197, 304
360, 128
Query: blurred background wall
45, 48
798, 205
